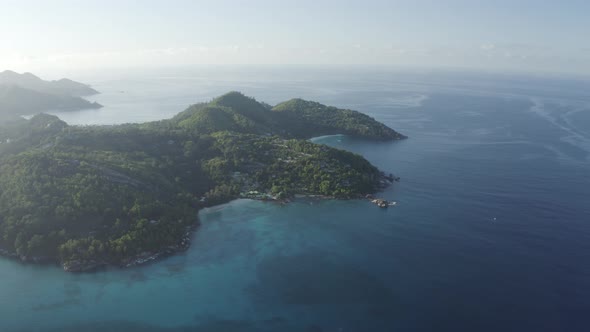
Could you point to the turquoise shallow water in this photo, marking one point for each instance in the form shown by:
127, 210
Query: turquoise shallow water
490, 231
251, 261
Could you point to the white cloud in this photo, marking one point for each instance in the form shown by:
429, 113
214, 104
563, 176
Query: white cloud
487, 47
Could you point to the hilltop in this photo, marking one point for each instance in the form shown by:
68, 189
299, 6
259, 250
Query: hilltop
296, 118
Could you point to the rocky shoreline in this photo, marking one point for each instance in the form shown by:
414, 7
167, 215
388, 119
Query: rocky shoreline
384, 182
81, 266
141, 259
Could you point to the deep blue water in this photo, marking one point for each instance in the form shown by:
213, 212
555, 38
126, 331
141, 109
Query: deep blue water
491, 231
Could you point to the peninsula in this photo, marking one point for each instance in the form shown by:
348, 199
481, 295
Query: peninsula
27, 94
90, 196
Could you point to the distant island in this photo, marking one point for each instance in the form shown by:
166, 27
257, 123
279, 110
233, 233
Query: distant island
91, 196
27, 94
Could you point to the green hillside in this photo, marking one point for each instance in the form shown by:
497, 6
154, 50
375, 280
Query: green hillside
91, 196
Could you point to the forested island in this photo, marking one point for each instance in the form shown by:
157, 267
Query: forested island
91, 196
27, 94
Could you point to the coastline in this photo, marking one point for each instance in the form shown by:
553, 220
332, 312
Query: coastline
139, 260
184, 243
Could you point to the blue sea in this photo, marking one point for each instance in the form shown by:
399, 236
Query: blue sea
491, 231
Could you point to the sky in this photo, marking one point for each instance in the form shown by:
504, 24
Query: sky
544, 36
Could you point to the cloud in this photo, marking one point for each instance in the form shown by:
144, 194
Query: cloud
487, 47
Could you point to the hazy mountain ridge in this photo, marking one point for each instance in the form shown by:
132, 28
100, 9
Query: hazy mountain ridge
25, 94
63, 87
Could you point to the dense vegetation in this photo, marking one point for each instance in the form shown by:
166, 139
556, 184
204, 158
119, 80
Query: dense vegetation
90, 196
295, 118
307, 119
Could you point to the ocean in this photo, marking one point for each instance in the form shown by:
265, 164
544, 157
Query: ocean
491, 231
